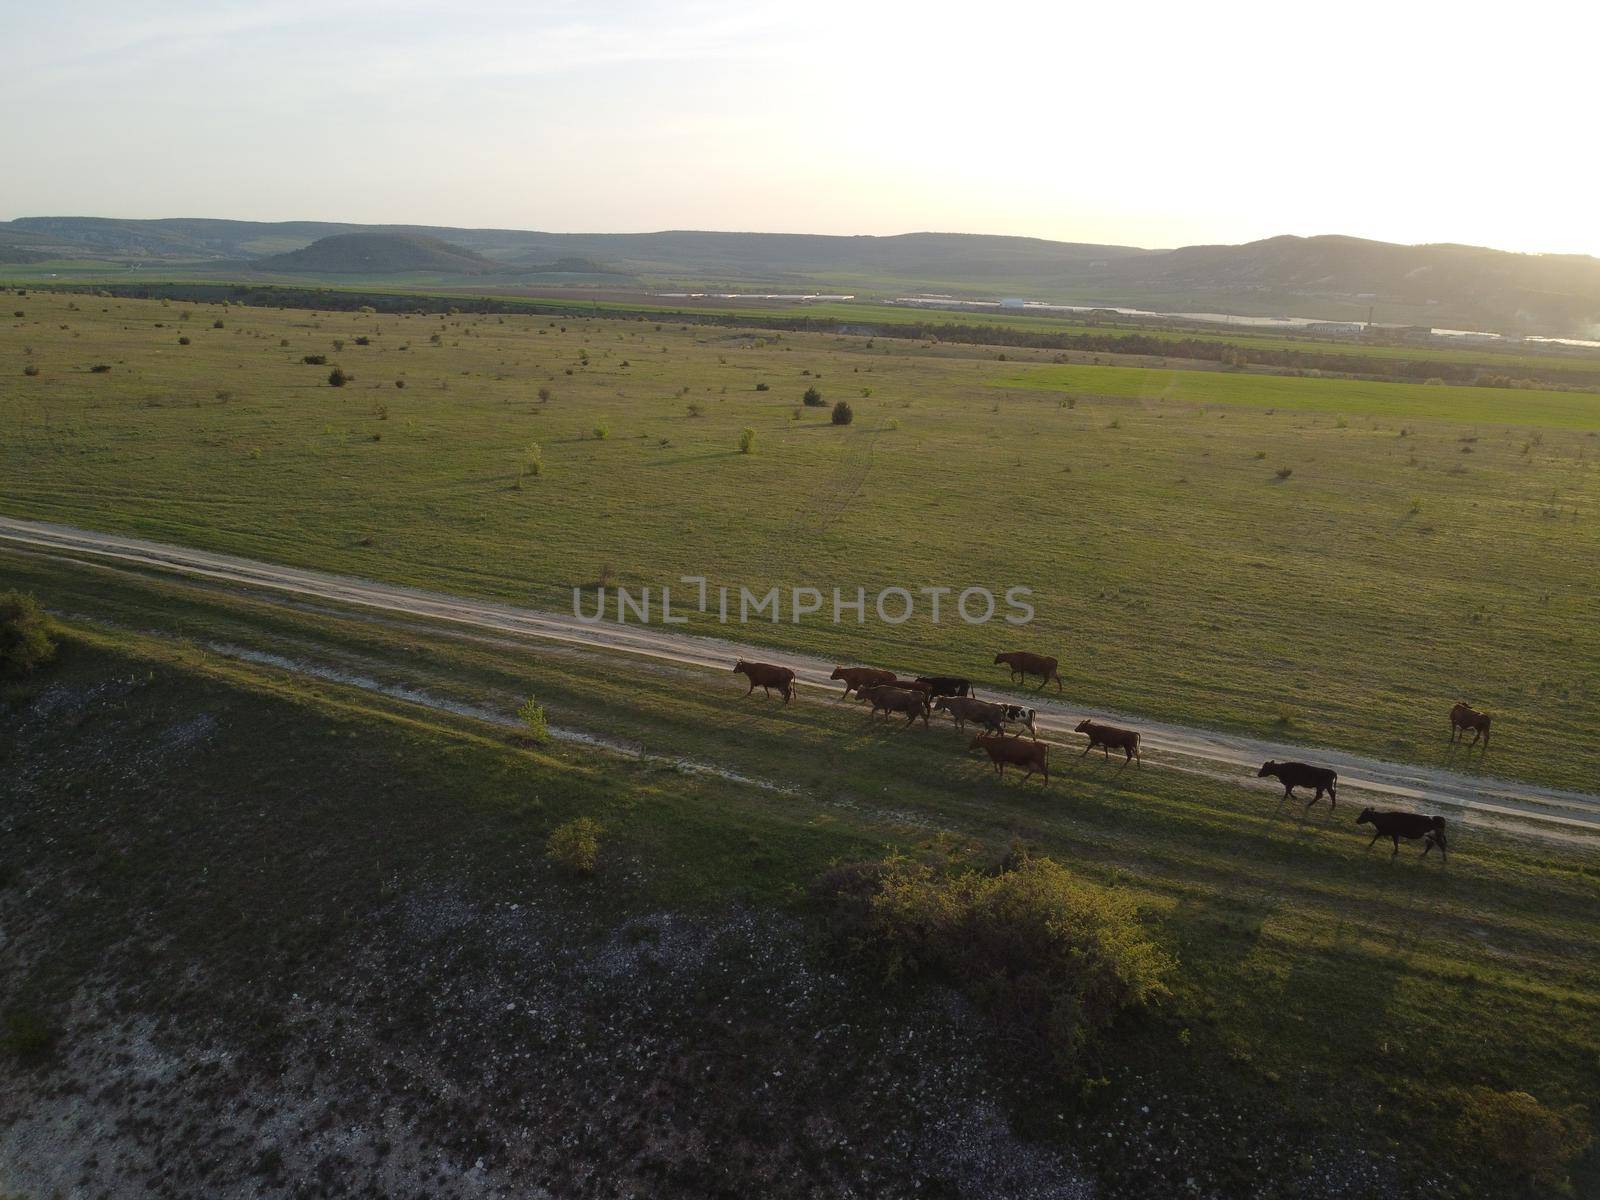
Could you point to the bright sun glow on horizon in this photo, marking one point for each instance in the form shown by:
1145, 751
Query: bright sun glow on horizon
1159, 124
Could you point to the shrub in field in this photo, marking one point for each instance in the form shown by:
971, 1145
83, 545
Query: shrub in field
695, 410
363, 341
315, 360
184, 341
338, 377
27, 639
812, 398
532, 714
31, 369
544, 395
1051, 958
602, 431
100, 368
217, 324
534, 459
843, 414
575, 845
761, 387
338, 344
1284, 472
747, 440
1516, 1133
400, 383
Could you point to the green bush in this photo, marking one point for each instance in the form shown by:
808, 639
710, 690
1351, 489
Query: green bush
843, 414
812, 398
338, 377
747, 440
1052, 959
26, 635
532, 714
315, 360
1513, 1131
575, 845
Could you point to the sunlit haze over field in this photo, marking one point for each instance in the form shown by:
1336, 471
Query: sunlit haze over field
1156, 124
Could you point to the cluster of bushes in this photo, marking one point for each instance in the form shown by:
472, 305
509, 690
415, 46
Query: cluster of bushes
1050, 957
1519, 1135
27, 639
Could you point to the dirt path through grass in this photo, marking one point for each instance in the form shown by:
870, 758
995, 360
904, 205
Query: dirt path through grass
1460, 793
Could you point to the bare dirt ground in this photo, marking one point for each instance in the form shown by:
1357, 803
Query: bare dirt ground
1473, 798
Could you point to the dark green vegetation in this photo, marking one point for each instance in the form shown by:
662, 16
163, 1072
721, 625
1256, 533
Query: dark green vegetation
1429, 543
1336, 1023
26, 636
377, 254
1330, 277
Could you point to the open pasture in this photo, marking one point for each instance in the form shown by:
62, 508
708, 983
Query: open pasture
1319, 559
1347, 999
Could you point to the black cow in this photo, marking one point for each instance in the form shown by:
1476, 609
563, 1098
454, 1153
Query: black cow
1299, 774
946, 685
1397, 825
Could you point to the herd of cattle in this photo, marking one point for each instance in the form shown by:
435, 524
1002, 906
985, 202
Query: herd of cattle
927, 694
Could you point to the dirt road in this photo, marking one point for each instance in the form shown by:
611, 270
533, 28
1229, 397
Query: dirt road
1518, 807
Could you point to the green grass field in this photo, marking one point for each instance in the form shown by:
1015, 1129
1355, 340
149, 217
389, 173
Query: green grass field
1429, 543
1341, 999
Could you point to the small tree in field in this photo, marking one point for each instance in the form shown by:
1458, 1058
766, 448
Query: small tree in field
842, 413
747, 440
532, 714
338, 378
812, 398
26, 640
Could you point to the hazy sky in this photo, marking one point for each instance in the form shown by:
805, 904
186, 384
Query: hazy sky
1150, 123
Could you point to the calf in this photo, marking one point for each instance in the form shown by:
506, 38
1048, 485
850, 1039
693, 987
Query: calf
946, 685
1464, 717
1299, 774
766, 677
1109, 738
856, 678
968, 708
1023, 664
1026, 717
1014, 752
1397, 825
887, 699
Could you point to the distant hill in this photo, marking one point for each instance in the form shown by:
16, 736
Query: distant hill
377, 254
1336, 277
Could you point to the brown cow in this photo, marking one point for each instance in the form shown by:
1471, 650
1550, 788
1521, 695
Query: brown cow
968, 708
1109, 738
856, 678
1464, 717
1023, 664
1014, 752
887, 699
766, 677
